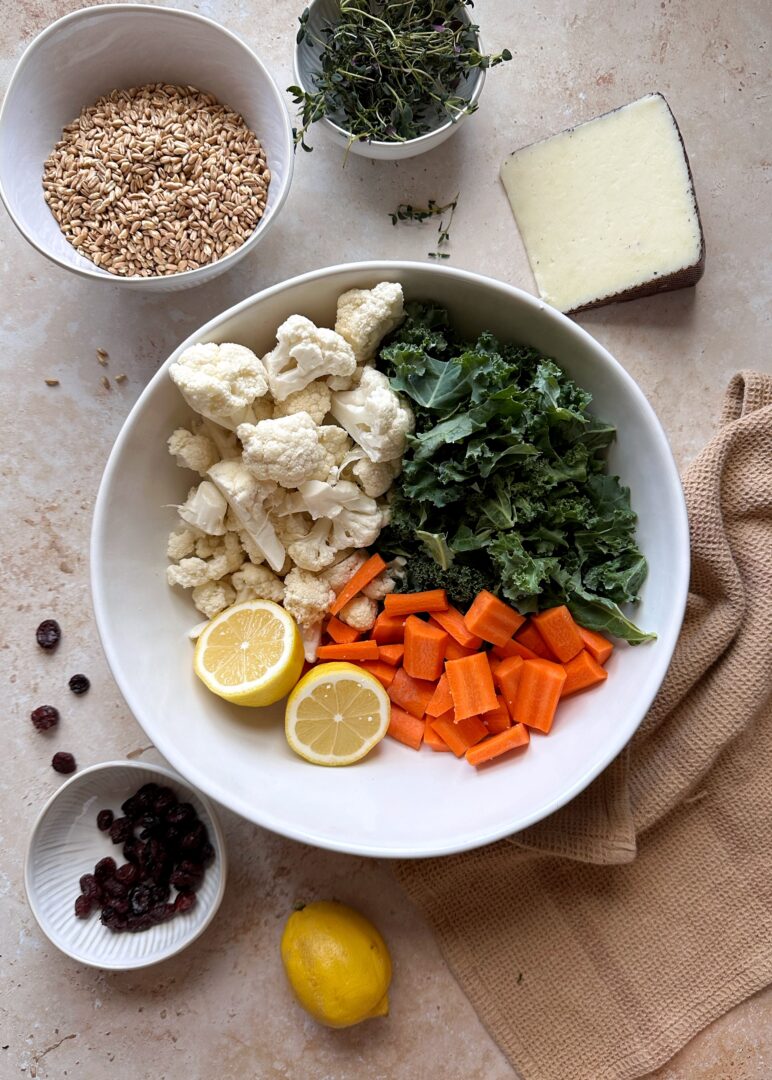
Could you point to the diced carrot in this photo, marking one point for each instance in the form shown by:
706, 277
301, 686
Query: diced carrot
561, 634
424, 649
471, 685
441, 700
406, 728
582, 672
513, 648
515, 736
492, 619
389, 629
538, 693
460, 736
340, 632
596, 645
454, 651
363, 576
355, 650
497, 719
413, 603
452, 621
532, 639
412, 695
433, 740
384, 673
507, 679
391, 654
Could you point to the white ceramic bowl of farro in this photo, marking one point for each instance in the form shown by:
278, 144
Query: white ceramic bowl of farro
154, 190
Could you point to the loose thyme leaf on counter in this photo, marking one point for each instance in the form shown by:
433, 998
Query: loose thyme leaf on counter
420, 214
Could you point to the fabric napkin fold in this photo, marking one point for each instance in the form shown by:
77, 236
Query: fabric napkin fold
594, 944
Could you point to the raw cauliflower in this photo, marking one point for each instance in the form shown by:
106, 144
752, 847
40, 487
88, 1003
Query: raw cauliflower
374, 416
195, 452
314, 551
246, 498
205, 509
335, 440
380, 586
366, 316
220, 381
375, 477
181, 542
305, 352
213, 597
314, 399
257, 583
307, 597
360, 613
226, 556
287, 450
344, 569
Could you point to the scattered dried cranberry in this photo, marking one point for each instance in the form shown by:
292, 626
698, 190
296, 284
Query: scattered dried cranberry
206, 854
45, 717
187, 876
114, 888
105, 868
120, 830
63, 762
127, 873
164, 801
140, 899
83, 906
48, 634
185, 901
181, 814
196, 838
79, 684
132, 808
105, 819
133, 849
89, 886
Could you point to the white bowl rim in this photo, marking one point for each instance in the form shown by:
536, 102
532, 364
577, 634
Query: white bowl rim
680, 554
219, 843
188, 276
420, 140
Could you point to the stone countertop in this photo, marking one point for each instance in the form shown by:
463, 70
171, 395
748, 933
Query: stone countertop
222, 1009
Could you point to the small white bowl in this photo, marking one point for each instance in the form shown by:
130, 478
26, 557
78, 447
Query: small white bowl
65, 844
93, 51
307, 63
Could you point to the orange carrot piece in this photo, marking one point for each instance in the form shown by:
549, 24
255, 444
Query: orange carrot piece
412, 603
412, 695
492, 619
424, 649
340, 632
515, 736
433, 740
355, 650
498, 719
507, 679
389, 629
471, 685
582, 672
384, 673
556, 625
596, 645
513, 648
391, 654
441, 701
364, 575
452, 622
454, 651
538, 693
532, 639
461, 736
406, 728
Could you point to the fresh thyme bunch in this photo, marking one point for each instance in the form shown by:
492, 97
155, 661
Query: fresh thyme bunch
391, 70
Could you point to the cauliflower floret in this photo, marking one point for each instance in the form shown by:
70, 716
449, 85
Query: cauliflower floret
344, 569
246, 497
257, 583
305, 352
196, 452
311, 636
321, 499
366, 316
220, 381
335, 440
314, 551
314, 399
375, 477
207, 546
307, 596
191, 572
180, 544
374, 416
360, 613
213, 597
286, 450
291, 527
205, 509
380, 586
226, 442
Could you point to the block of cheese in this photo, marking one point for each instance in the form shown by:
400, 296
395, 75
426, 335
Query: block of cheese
607, 209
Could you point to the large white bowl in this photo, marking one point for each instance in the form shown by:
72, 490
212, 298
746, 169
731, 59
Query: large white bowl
93, 51
396, 802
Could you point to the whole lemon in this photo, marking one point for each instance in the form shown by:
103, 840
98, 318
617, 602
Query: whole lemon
337, 964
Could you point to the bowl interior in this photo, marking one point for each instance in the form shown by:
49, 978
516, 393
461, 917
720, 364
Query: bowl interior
85, 56
396, 802
66, 844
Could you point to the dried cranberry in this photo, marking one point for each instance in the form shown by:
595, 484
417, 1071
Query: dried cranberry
83, 906
135, 923
45, 717
127, 873
62, 762
104, 869
79, 684
89, 886
164, 801
132, 808
206, 854
114, 888
48, 634
161, 912
149, 824
140, 899
181, 814
195, 839
133, 850
120, 830
184, 902
112, 917
105, 819
121, 906
187, 876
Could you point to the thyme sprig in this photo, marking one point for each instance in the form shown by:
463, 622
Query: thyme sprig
420, 214
391, 70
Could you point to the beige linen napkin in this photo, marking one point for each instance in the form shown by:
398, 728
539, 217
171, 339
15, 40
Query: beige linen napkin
586, 970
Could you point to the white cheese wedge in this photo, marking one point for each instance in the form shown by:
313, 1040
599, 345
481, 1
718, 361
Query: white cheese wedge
607, 209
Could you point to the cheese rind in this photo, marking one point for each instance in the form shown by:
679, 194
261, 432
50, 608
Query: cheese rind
607, 209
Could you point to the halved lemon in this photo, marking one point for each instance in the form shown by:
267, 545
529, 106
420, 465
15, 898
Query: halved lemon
250, 654
336, 714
